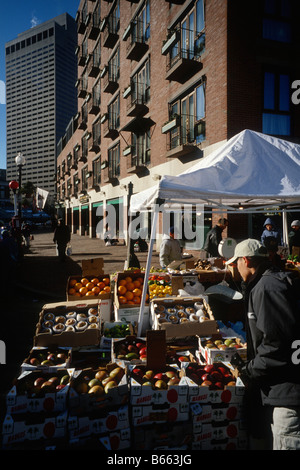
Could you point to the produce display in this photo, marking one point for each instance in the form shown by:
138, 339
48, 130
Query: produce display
89, 286
115, 390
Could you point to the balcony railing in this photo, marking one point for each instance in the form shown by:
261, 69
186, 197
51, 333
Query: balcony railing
111, 31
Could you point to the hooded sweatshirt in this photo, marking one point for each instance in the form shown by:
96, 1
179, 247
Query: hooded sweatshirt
274, 232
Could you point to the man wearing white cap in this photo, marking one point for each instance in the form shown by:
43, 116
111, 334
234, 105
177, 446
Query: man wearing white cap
273, 329
294, 235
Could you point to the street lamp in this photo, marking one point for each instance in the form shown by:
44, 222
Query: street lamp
20, 161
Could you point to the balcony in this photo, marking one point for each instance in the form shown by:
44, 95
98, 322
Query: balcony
137, 159
182, 141
81, 85
181, 67
82, 20
138, 125
136, 48
94, 105
94, 26
107, 173
110, 81
93, 66
82, 55
136, 105
82, 120
110, 27
110, 129
95, 145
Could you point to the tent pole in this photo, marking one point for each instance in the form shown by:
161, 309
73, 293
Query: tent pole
147, 271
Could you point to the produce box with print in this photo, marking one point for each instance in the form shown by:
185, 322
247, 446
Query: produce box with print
225, 436
182, 316
48, 359
111, 330
213, 413
114, 440
141, 415
22, 428
39, 391
213, 383
98, 422
162, 435
92, 389
218, 348
68, 324
131, 349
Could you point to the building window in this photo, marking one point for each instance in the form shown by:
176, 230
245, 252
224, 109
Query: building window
114, 161
114, 67
276, 119
114, 114
277, 20
140, 149
97, 171
141, 24
140, 84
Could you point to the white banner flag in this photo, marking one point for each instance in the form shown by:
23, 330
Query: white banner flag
41, 197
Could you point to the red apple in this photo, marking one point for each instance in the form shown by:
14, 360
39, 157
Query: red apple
206, 383
209, 367
39, 381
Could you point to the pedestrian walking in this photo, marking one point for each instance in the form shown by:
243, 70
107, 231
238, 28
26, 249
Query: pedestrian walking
214, 237
272, 325
61, 237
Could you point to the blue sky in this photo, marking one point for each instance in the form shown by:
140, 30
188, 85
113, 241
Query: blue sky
17, 16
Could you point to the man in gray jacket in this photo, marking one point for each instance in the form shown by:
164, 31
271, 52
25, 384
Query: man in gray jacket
170, 249
273, 337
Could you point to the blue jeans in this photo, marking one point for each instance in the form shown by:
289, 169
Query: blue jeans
286, 428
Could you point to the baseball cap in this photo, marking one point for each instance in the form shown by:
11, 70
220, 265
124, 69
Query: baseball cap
249, 247
295, 222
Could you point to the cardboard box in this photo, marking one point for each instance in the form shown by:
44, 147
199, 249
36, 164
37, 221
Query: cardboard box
23, 397
203, 394
87, 402
132, 315
37, 359
162, 435
228, 436
86, 337
115, 440
120, 347
188, 328
17, 429
121, 276
106, 341
168, 413
212, 355
99, 422
91, 269
211, 413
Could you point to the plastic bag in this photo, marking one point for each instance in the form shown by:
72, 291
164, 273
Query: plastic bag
69, 250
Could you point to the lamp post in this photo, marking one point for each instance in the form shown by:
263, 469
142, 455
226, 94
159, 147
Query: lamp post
20, 162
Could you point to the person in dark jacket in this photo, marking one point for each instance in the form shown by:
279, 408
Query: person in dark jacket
270, 230
294, 235
273, 333
61, 237
214, 237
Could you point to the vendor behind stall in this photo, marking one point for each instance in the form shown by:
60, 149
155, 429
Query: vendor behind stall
170, 249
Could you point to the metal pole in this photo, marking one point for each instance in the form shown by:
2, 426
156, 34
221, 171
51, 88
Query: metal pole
129, 220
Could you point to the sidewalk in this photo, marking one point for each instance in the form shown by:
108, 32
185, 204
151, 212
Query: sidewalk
42, 272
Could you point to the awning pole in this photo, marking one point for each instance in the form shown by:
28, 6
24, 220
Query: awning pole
147, 271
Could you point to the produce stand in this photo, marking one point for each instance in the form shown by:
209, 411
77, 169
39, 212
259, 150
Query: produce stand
100, 384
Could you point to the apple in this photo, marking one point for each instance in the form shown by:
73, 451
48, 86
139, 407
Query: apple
94, 382
59, 387
81, 387
116, 373
228, 341
107, 380
219, 385
159, 376
51, 357
206, 383
160, 384
149, 374
209, 367
170, 373
110, 385
222, 370
173, 381
215, 376
205, 377
231, 384
100, 375
62, 357
97, 390
47, 386
147, 383
132, 348
140, 345
54, 380
65, 380
34, 361
138, 372
142, 351
183, 359
39, 381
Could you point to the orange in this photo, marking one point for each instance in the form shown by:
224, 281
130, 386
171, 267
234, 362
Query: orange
89, 292
128, 279
106, 280
129, 286
72, 291
101, 285
137, 283
137, 300
140, 279
77, 286
122, 299
129, 295
106, 289
102, 292
83, 290
84, 281
122, 290
95, 281
137, 292
77, 294
89, 286
96, 290
122, 282
72, 282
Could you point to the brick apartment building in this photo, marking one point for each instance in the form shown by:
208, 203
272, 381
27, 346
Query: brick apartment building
161, 84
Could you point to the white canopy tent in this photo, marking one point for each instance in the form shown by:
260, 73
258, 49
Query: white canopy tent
251, 172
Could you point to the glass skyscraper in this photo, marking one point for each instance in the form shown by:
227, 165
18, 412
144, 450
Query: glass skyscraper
41, 97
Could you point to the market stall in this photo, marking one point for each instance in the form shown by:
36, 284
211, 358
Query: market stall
133, 360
